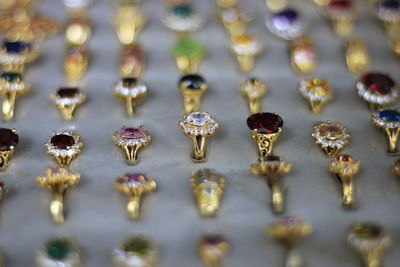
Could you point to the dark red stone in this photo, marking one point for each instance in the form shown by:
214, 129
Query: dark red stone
2, 185
67, 92
265, 122
344, 157
62, 141
135, 177
7, 139
340, 5
379, 83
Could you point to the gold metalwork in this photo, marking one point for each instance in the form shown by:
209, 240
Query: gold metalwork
136, 249
392, 28
58, 180
132, 61
134, 190
75, 62
276, 5
272, 168
5, 155
78, 31
131, 101
3, 190
303, 54
192, 97
265, 142
245, 47
317, 92
357, 57
208, 187
9, 94
289, 231
67, 108
253, 89
235, 20
395, 45
64, 159
331, 137
212, 249
395, 167
345, 167
129, 21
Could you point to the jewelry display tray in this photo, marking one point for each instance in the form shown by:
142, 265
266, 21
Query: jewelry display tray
95, 216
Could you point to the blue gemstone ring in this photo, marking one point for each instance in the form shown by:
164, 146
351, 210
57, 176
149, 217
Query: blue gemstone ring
389, 121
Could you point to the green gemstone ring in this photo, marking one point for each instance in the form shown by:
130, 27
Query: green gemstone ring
58, 252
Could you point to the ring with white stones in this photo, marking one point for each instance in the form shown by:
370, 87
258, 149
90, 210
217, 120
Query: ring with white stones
14, 55
63, 146
192, 87
331, 137
11, 86
182, 19
342, 15
317, 92
136, 251
253, 89
131, 140
66, 99
286, 24
388, 12
130, 92
198, 125
59, 252
370, 240
389, 121
213, 248
235, 19
129, 22
245, 47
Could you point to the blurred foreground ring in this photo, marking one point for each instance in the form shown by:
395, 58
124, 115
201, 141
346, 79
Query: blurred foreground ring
253, 89
357, 56
183, 20
342, 15
199, 126
8, 142
245, 47
75, 62
58, 180
14, 55
192, 87
134, 186
130, 92
188, 54
208, 187
389, 121
136, 251
235, 19
212, 249
11, 86
58, 252
303, 54
66, 99
128, 22
331, 137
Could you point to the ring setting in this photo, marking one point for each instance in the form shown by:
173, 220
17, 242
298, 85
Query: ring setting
253, 89
332, 137
66, 99
389, 121
59, 252
131, 93
63, 146
8, 142
213, 248
11, 86
135, 251
245, 47
317, 92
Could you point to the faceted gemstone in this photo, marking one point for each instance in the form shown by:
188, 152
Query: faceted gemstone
344, 158
17, 47
67, 92
58, 249
264, 122
8, 139
192, 82
367, 231
287, 16
136, 246
182, 11
389, 115
189, 48
199, 118
11, 77
132, 132
62, 141
129, 82
340, 5
379, 83
330, 131
135, 177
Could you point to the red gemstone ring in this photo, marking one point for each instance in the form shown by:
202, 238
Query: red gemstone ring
8, 142
66, 99
63, 146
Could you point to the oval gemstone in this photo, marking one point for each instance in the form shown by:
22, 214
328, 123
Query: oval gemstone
182, 11
11, 77
288, 16
379, 83
192, 82
340, 5
330, 132
265, 122
213, 239
58, 249
67, 92
129, 82
136, 246
390, 115
62, 141
199, 118
132, 132
8, 139
344, 157
17, 47
135, 177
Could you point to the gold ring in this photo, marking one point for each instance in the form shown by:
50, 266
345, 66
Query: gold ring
227, 3
389, 14
265, 128
183, 19
395, 167
9, 141
132, 61
276, 5
131, 140
331, 137
235, 19
208, 187
130, 92
389, 121
58, 180
378, 90
66, 99
59, 251
75, 62
133, 250
345, 167
342, 15
188, 54
78, 30
134, 186
253, 89
212, 249
317, 92
357, 57
63, 146
192, 87
395, 45
11, 86
245, 47
303, 54
3, 190
370, 240
129, 22
272, 168
286, 24
199, 126
14, 55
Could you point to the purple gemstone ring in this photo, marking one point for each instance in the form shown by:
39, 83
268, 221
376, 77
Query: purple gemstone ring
286, 24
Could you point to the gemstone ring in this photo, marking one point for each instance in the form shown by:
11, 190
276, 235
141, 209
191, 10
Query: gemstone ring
182, 19
136, 251
272, 168
245, 47
59, 252
199, 126
235, 19
342, 14
377, 89
66, 99
303, 54
58, 180
14, 55
131, 140
357, 56
8, 142
208, 187
345, 167
132, 61
253, 89
134, 186
286, 24
75, 62
192, 87
63, 146
370, 240
317, 92
129, 22
11, 86
265, 128
388, 11
389, 121
188, 54
331, 137
213, 248
130, 92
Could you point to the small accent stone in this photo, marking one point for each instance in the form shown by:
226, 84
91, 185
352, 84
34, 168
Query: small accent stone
132, 132
67, 92
379, 83
389, 115
265, 123
129, 82
11, 77
192, 82
62, 141
58, 249
8, 139
189, 48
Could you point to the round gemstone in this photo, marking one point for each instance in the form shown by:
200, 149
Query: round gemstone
17, 47
182, 11
367, 231
58, 249
129, 82
265, 123
135, 177
192, 82
11, 77
379, 83
132, 132
199, 118
8, 139
62, 141
68, 92
389, 115
189, 48
330, 131
136, 246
